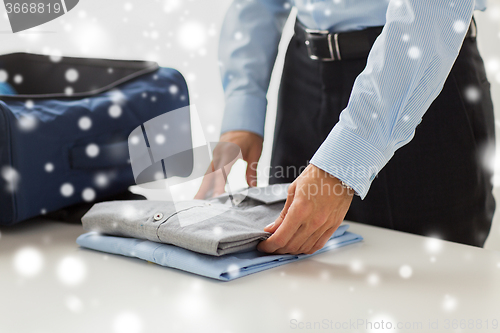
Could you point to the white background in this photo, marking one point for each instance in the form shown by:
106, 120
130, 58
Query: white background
183, 34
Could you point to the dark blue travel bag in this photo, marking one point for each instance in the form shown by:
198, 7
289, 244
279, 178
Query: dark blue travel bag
64, 131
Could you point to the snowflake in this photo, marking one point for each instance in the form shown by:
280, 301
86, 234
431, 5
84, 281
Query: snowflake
12, 177
29, 104
67, 190
71, 75
238, 35
356, 266
49, 167
472, 94
233, 270
414, 52
171, 5
74, 304
134, 140
3, 75
28, 261
381, 323
154, 34
128, 7
71, 271
192, 35
296, 314
85, 123
101, 180
55, 56
18, 79
92, 150
160, 139
449, 303
398, 3
405, 271
115, 111
173, 89
459, 26
492, 65
27, 123
373, 279
88, 194
210, 128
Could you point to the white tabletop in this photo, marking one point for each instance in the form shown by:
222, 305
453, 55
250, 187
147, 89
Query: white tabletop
49, 284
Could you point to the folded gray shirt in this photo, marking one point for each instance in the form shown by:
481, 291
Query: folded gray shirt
214, 227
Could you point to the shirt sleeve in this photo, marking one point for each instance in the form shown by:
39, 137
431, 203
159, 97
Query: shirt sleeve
247, 51
406, 70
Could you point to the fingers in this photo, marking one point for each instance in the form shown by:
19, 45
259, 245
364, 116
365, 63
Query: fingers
289, 199
206, 184
213, 184
305, 238
322, 241
232, 146
310, 231
252, 161
293, 245
285, 231
252, 174
214, 181
310, 216
204, 190
315, 242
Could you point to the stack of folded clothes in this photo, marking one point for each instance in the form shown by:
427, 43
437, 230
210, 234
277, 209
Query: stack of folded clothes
216, 238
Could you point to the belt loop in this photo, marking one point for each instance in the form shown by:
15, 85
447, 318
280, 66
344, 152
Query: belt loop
337, 48
473, 28
330, 47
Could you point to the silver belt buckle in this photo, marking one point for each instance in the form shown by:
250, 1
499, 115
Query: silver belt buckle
331, 45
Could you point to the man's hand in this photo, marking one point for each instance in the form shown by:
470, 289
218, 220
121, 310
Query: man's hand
251, 149
315, 207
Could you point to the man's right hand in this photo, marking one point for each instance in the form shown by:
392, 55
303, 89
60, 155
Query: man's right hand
251, 149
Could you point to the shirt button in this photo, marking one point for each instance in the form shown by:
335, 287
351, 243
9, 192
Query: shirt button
158, 216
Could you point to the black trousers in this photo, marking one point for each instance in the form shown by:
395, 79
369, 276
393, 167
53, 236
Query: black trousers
436, 185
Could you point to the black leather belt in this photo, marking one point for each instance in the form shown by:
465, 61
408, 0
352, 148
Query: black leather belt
326, 46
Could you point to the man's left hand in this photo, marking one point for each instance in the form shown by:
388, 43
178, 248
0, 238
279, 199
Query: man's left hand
316, 205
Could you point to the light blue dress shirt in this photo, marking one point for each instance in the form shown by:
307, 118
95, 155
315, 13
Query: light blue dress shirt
227, 267
406, 70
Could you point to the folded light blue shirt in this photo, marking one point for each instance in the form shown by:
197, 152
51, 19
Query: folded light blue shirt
406, 70
227, 267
